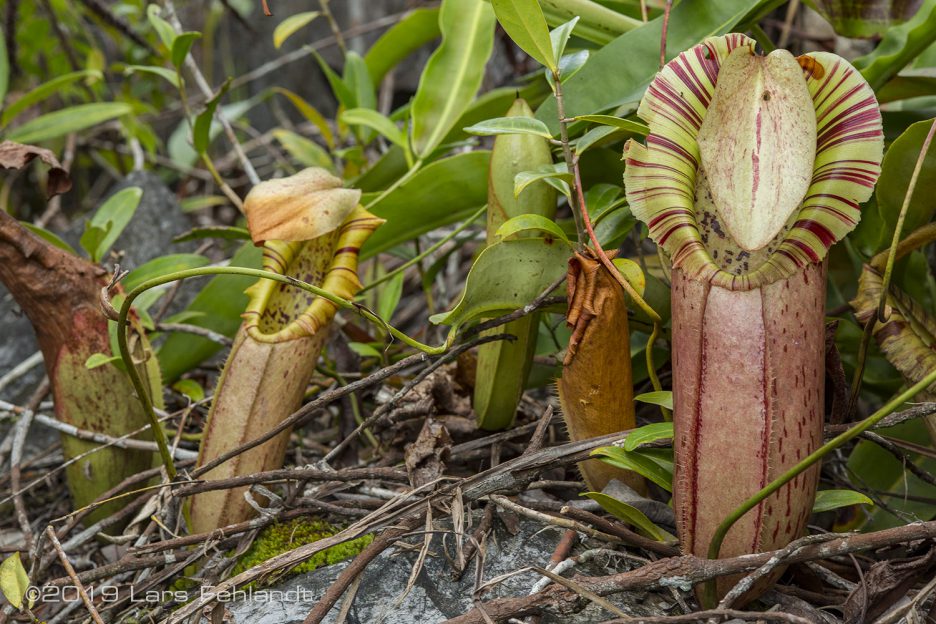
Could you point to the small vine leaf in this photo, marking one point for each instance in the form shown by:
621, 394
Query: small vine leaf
649, 433
639, 463
630, 515
527, 223
510, 125
559, 37
507, 275
525, 24
14, 582
663, 397
289, 26
634, 127
557, 172
826, 500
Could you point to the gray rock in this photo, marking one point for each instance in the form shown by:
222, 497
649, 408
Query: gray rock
435, 596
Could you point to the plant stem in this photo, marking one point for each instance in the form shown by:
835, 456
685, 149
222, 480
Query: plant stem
567, 153
812, 458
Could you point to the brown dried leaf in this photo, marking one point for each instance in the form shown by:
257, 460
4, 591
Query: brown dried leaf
16, 156
886, 583
426, 457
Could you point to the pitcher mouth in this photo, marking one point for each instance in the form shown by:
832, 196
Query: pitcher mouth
664, 178
279, 312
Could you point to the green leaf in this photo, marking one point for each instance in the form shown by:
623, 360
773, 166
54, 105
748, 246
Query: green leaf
597, 23
559, 37
169, 75
224, 232
201, 129
13, 579
96, 360
631, 515
310, 113
638, 462
418, 28
908, 84
65, 121
358, 80
48, 236
899, 46
163, 28
661, 397
307, 152
876, 229
163, 265
619, 72
217, 307
633, 127
180, 147
454, 72
181, 46
374, 120
4, 69
526, 223
290, 25
510, 125
364, 350
647, 434
555, 172
524, 22
507, 275
827, 500
389, 296
190, 388
440, 193
111, 219
342, 93
570, 64
198, 202
56, 86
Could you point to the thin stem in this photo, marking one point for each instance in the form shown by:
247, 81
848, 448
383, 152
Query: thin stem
567, 151
140, 386
430, 250
812, 458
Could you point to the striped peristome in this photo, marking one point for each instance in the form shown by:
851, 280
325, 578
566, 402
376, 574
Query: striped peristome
661, 176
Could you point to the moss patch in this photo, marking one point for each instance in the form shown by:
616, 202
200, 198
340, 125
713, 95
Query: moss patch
283, 537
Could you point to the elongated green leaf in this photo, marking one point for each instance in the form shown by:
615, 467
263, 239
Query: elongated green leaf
418, 28
46, 89
634, 127
507, 275
454, 72
168, 75
876, 229
290, 25
440, 193
310, 113
163, 28
4, 69
225, 232
180, 146
342, 93
559, 37
201, 129
827, 500
162, 266
630, 515
908, 84
527, 223
389, 296
899, 46
217, 307
524, 22
556, 172
357, 79
111, 219
181, 46
597, 23
662, 397
510, 125
606, 82
647, 434
374, 120
307, 152
49, 236
13, 579
96, 360
62, 122
638, 462
598, 135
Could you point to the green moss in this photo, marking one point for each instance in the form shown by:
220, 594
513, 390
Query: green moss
283, 537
